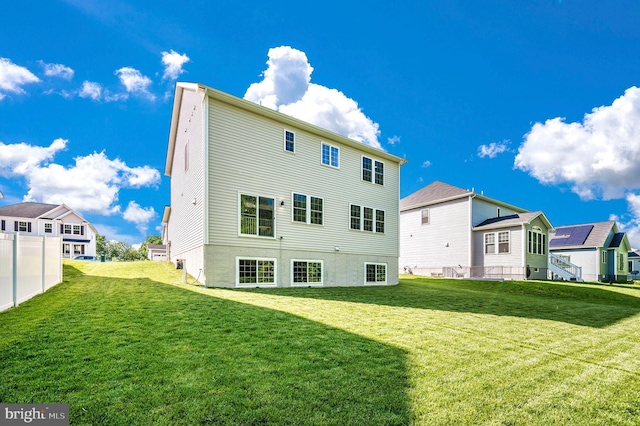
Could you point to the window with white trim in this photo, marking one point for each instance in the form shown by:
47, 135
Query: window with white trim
372, 171
620, 262
254, 271
306, 272
366, 219
489, 243
330, 155
48, 228
257, 215
425, 216
66, 248
76, 229
375, 273
78, 249
307, 209
537, 241
289, 141
503, 242
604, 256
68, 229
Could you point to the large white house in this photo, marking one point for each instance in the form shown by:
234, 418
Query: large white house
261, 199
78, 235
453, 232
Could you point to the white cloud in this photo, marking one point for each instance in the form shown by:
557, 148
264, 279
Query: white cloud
598, 158
393, 140
287, 87
20, 158
630, 224
90, 185
57, 70
173, 62
139, 215
13, 77
426, 164
493, 149
91, 90
134, 82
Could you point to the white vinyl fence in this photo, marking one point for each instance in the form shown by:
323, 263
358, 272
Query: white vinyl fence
28, 266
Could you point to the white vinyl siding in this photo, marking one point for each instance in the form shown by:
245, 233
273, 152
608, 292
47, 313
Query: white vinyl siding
186, 225
448, 236
272, 172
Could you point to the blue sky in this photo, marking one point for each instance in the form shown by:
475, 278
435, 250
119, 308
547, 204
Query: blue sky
532, 102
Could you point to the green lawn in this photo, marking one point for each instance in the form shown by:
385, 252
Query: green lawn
126, 343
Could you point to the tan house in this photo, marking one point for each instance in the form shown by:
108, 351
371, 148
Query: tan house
261, 199
453, 232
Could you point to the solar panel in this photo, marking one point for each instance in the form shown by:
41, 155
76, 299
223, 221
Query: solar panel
571, 235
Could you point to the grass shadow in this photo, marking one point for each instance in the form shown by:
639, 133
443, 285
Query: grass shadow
137, 351
578, 304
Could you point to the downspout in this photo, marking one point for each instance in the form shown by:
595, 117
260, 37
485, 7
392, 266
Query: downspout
471, 246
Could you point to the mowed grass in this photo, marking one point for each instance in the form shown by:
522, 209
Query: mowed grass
127, 343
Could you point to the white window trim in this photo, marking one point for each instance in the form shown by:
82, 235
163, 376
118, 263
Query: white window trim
362, 207
308, 209
498, 242
284, 141
308, 284
254, 285
386, 274
495, 246
322, 144
545, 242
239, 214
373, 170
50, 225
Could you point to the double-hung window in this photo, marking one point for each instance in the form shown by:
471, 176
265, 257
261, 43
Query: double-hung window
307, 209
330, 155
424, 217
372, 171
289, 141
489, 243
375, 273
366, 219
48, 228
503, 242
306, 272
257, 215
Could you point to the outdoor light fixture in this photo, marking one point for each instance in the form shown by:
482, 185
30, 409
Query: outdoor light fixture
282, 203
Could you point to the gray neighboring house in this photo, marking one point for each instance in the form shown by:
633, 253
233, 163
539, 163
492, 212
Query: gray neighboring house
598, 250
261, 199
78, 235
453, 232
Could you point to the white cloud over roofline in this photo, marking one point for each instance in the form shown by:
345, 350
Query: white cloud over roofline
287, 87
598, 157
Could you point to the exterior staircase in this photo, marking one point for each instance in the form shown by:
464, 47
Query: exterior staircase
563, 269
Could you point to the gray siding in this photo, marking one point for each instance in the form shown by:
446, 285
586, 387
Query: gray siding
483, 210
186, 225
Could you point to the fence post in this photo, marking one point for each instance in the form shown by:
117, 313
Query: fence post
15, 269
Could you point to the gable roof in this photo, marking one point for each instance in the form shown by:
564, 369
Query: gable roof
560, 237
512, 220
258, 109
440, 192
30, 210
27, 210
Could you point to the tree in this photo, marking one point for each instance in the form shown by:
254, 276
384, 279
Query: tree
101, 243
151, 239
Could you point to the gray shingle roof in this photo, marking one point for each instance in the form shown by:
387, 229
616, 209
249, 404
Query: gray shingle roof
433, 192
27, 210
